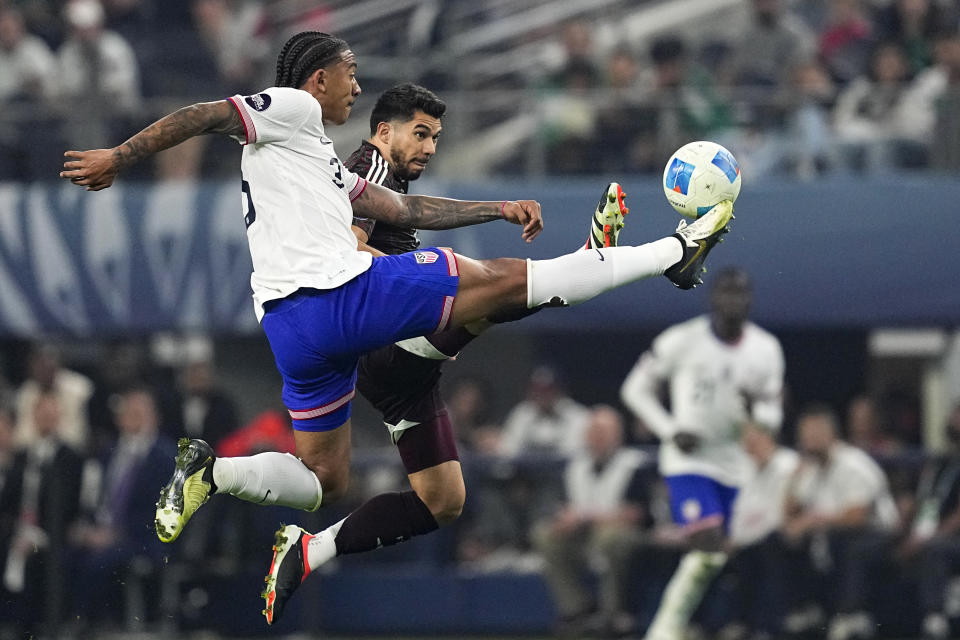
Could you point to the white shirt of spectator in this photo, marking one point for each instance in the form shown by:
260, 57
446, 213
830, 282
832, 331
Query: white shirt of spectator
73, 391
850, 478
29, 63
297, 197
592, 493
527, 429
118, 75
758, 509
707, 380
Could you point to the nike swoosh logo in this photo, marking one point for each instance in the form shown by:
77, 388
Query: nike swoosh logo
600, 254
701, 246
265, 497
325, 140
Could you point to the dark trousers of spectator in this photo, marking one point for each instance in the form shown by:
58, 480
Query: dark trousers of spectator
750, 591
939, 562
837, 571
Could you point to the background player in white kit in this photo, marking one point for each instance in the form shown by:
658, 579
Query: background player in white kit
721, 371
322, 303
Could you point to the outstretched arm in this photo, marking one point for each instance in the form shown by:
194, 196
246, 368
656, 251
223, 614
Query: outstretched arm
96, 169
427, 212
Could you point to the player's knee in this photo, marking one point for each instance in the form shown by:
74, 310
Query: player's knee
446, 505
511, 275
333, 481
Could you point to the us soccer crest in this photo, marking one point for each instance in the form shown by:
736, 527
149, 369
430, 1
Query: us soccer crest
425, 257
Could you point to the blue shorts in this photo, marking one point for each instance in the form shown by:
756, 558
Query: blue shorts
318, 335
698, 502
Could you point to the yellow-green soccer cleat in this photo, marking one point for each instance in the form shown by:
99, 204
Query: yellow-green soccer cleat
288, 570
190, 486
698, 238
608, 218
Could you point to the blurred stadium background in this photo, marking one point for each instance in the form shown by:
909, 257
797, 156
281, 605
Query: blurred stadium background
844, 115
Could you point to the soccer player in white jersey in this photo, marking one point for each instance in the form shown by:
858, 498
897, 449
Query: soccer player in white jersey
322, 302
721, 371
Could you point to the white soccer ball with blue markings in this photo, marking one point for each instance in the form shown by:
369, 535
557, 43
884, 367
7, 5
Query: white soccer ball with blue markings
698, 176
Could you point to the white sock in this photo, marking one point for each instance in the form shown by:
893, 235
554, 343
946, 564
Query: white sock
579, 276
684, 593
269, 478
322, 546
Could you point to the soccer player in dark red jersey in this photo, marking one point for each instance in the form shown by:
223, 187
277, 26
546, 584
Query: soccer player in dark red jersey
401, 380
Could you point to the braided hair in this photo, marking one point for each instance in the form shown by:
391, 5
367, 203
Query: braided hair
304, 53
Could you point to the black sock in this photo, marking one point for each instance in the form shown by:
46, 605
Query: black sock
451, 341
384, 520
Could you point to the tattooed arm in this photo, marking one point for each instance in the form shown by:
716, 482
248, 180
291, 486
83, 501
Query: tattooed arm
96, 169
427, 212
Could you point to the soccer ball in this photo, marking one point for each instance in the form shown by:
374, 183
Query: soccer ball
698, 176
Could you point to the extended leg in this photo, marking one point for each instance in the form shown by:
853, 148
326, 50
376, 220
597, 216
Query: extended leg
489, 287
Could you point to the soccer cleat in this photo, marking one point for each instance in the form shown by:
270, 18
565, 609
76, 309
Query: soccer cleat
608, 218
190, 486
287, 570
698, 238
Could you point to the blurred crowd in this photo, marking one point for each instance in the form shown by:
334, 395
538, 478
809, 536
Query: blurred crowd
802, 88
798, 88
852, 524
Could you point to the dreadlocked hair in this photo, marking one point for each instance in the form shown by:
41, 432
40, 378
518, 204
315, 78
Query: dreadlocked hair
304, 53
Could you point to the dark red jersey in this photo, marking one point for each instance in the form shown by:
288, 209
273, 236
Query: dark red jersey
368, 163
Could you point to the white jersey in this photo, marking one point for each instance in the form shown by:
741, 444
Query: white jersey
710, 383
296, 197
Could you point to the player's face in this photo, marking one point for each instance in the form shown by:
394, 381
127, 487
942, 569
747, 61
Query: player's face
412, 144
340, 89
731, 299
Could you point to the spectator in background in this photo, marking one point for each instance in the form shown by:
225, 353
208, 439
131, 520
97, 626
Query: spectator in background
759, 596
847, 40
233, 33
679, 99
99, 77
546, 421
809, 145
206, 410
72, 390
28, 82
775, 40
8, 519
27, 66
913, 24
469, 409
866, 431
932, 543
41, 496
599, 527
720, 371
569, 119
620, 118
945, 82
841, 516
119, 533
122, 362
873, 118
933, 104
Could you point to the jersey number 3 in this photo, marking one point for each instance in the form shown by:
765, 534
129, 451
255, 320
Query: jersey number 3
337, 174
249, 213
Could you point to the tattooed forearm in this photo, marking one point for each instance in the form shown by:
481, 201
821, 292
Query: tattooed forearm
171, 130
422, 212
443, 213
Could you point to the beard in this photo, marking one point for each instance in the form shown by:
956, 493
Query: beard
402, 169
